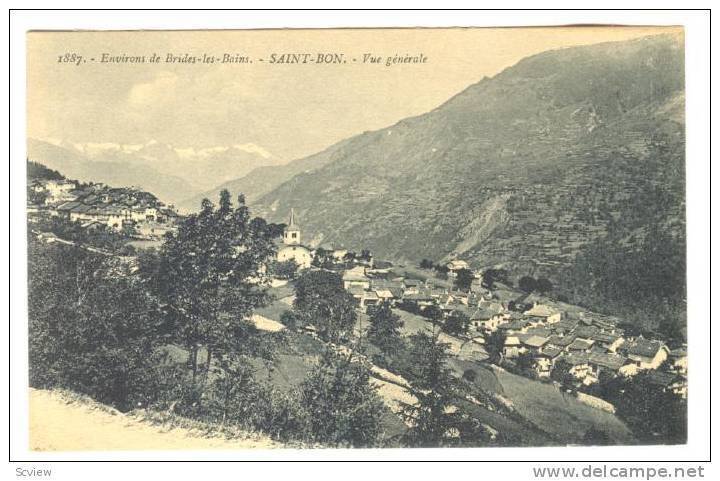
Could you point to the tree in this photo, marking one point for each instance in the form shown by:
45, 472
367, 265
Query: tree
562, 375
426, 264
433, 313
36, 197
321, 300
92, 326
209, 274
384, 329
494, 345
365, 255
290, 320
36, 170
433, 417
525, 361
544, 285
491, 276
654, 414
345, 409
442, 270
457, 323
527, 284
323, 258
284, 269
464, 279
349, 257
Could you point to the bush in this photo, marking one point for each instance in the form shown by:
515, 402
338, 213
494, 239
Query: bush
345, 410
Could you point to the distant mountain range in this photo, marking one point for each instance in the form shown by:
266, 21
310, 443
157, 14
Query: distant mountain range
171, 173
264, 179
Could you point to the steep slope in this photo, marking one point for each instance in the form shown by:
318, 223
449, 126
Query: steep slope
521, 169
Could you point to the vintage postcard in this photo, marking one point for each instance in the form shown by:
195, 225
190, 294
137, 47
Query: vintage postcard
356, 238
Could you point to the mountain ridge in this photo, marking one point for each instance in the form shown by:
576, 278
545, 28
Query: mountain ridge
525, 170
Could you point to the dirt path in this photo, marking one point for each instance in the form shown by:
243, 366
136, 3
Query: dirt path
59, 423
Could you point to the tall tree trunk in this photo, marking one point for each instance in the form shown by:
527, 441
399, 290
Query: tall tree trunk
194, 357
208, 360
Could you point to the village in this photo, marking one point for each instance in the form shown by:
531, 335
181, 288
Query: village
129, 211
532, 334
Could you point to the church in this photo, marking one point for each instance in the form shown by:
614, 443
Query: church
292, 249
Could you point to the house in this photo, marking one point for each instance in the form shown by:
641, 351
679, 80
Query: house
579, 345
534, 343
356, 277
59, 191
609, 342
544, 311
644, 353
586, 332
358, 294
456, 265
561, 342
411, 286
338, 254
564, 326
545, 360
66, 208
669, 382
477, 287
514, 327
579, 367
486, 319
370, 298
93, 225
679, 360
81, 213
607, 362
385, 295
512, 347
540, 331
421, 299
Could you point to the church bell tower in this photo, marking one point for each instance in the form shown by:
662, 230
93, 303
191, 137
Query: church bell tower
291, 235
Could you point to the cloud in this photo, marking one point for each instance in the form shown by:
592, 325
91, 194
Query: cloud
161, 89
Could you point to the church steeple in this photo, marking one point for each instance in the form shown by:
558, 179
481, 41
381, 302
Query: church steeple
291, 235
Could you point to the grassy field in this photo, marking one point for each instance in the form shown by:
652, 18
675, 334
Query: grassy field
559, 413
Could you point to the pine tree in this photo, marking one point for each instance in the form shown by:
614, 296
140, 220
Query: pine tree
433, 418
384, 329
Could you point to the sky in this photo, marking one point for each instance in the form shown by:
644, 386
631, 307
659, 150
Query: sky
288, 110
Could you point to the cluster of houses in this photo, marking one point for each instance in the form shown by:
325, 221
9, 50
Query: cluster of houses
586, 346
549, 335
127, 210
